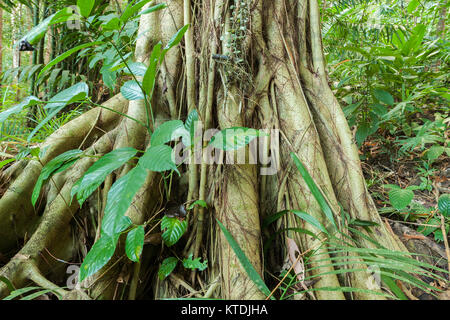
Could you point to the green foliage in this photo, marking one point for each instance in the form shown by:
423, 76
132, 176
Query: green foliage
190, 263
99, 255
234, 138
166, 268
131, 90
58, 164
323, 203
400, 198
444, 205
135, 243
98, 172
76, 93
158, 158
245, 262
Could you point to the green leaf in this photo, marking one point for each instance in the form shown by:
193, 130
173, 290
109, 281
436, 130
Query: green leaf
412, 6
190, 127
135, 243
51, 167
383, 96
131, 10
111, 24
18, 292
168, 131
38, 32
77, 92
98, 172
86, 7
310, 219
131, 91
167, 266
158, 158
435, 152
8, 283
365, 130
201, 203
314, 189
234, 138
400, 198
245, 262
154, 8
176, 39
430, 227
65, 55
136, 68
27, 102
148, 83
444, 205
5, 162
393, 286
173, 229
99, 255
190, 263
119, 199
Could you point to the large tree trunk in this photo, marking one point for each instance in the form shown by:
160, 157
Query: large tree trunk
270, 75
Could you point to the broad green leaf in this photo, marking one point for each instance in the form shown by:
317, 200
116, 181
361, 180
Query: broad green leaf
314, 189
158, 158
234, 138
18, 292
51, 167
201, 203
432, 225
412, 6
414, 40
131, 10
154, 8
190, 263
173, 229
131, 91
400, 198
166, 268
27, 102
135, 243
168, 131
8, 283
245, 262
77, 92
99, 255
444, 204
176, 39
66, 54
148, 83
119, 199
86, 7
435, 152
310, 219
136, 68
98, 172
383, 96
